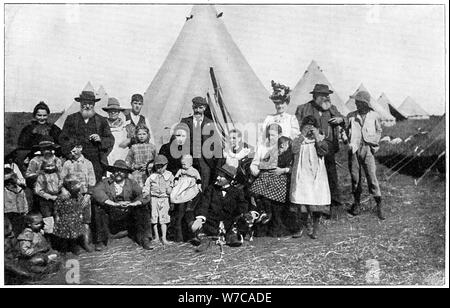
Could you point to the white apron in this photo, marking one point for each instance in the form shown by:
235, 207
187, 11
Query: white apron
309, 181
120, 135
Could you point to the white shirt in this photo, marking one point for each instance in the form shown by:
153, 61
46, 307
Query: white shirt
197, 122
119, 187
288, 122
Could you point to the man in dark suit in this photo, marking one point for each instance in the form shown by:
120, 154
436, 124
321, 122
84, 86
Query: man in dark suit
91, 130
205, 145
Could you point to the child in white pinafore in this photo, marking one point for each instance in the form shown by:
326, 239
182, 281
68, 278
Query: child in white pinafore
310, 192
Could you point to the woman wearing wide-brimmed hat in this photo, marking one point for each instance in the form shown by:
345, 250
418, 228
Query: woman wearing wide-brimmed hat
117, 125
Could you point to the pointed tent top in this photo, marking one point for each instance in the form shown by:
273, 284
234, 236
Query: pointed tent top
386, 104
301, 93
411, 109
101, 93
203, 42
89, 87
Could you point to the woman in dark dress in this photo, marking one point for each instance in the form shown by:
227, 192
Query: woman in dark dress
39, 129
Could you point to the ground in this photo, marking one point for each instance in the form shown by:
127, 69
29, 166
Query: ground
408, 248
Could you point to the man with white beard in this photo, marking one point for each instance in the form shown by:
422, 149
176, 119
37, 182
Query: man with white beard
91, 130
329, 120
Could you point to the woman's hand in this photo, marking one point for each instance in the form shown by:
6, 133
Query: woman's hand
254, 170
278, 171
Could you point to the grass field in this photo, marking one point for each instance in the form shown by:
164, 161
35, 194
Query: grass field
408, 248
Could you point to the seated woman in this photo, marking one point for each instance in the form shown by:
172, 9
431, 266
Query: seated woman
119, 207
272, 167
176, 147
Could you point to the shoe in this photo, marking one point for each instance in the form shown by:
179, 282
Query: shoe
355, 210
205, 242
299, 234
146, 244
100, 247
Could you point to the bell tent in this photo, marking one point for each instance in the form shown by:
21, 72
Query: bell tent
412, 110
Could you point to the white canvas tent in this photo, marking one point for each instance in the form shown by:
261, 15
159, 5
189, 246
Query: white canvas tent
204, 42
386, 104
101, 93
386, 118
301, 93
74, 107
412, 110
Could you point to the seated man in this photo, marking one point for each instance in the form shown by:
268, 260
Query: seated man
221, 205
119, 208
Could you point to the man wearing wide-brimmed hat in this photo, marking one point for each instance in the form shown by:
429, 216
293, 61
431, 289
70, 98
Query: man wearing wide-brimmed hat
117, 124
364, 131
119, 208
92, 130
221, 202
330, 120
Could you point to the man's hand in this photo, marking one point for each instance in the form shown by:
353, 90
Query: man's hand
95, 137
198, 223
336, 120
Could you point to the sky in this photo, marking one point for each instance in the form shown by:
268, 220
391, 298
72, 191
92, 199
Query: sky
52, 51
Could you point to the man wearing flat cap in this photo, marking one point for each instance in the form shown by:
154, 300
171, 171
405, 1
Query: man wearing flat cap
120, 208
364, 131
330, 120
92, 130
134, 118
202, 129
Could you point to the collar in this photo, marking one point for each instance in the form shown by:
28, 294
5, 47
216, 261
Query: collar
80, 159
121, 185
166, 175
198, 120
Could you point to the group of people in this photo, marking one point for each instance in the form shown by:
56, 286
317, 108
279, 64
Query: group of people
100, 178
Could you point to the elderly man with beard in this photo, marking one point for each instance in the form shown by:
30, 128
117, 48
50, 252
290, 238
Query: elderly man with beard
121, 209
329, 119
92, 130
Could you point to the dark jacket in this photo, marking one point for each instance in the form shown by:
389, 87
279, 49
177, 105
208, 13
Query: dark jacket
215, 207
209, 124
105, 190
71, 130
331, 132
174, 164
34, 133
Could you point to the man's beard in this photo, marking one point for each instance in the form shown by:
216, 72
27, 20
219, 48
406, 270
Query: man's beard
325, 105
87, 114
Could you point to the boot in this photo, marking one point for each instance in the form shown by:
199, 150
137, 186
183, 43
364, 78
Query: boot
316, 219
356, 207
380, 208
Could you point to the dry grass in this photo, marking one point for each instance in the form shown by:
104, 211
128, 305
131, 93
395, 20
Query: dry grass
409, 247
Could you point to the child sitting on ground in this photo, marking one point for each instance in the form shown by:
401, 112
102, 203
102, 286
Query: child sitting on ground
187, 185
141, 154
69, 216
34, 249
16, 204
158, 188
47, 188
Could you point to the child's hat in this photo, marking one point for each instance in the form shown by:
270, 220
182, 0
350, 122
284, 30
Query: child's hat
228, 171
161, 160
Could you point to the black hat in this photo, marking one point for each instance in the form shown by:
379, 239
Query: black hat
87, 96
228, 171
41, 105
119, 165
199, 101
321, 88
